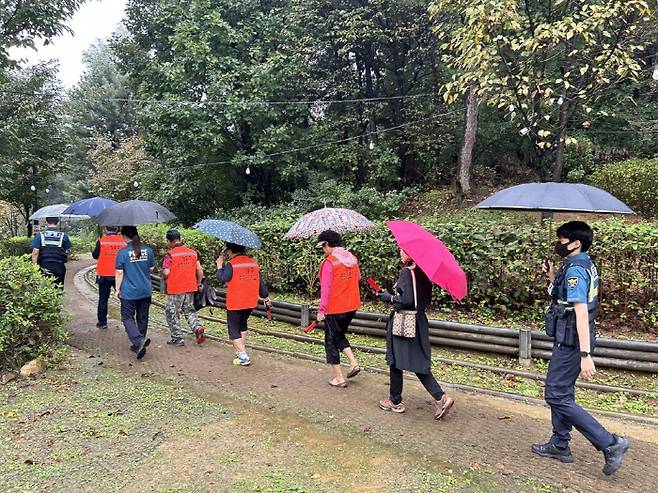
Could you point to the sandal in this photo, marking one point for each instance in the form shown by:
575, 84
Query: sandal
340, 384
354, 372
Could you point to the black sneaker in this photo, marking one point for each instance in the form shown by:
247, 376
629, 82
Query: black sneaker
614, 455
147, 342
176, 342
101, 326
553, 452
141, 350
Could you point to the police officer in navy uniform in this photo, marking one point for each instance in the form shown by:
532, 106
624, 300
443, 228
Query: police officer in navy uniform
570, 321
50, 250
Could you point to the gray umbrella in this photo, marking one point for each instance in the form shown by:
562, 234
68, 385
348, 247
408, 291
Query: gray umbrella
556, 197
134, 213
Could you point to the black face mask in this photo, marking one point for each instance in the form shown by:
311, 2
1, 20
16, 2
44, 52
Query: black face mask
562, 249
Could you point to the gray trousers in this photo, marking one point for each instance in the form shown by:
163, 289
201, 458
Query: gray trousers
177, 304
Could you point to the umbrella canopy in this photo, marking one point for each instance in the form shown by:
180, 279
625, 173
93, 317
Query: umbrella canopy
56, 210
230, 232
134, 213
339, 220
90, 207
431, 255
556, 197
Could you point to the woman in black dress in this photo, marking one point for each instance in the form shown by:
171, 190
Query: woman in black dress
411, 354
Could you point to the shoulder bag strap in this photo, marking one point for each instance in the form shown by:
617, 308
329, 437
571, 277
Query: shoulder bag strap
413, 282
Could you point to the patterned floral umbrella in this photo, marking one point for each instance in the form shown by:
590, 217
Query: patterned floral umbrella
339, 220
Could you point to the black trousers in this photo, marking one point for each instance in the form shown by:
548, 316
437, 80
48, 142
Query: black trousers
105, 285
56, 273
335, 340
427, 379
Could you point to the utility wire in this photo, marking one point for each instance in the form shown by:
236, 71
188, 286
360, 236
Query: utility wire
322, 144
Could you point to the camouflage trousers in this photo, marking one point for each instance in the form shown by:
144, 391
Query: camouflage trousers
177, 304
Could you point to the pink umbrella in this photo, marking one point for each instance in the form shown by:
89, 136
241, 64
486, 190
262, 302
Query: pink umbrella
431, 255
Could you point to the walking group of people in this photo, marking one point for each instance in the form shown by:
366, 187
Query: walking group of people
125, 264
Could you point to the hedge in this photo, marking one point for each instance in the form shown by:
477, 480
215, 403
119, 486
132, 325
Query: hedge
31, 324
500, 253
634, 182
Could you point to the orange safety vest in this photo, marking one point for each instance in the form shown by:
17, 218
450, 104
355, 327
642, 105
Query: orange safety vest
345, 295
243, 288
182, 272
110, 246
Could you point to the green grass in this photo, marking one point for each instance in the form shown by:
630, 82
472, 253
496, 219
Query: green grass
74, 426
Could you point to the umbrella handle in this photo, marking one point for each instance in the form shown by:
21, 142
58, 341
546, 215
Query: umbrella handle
373, 284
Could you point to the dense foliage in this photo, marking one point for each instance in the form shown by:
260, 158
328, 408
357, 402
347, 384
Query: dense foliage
634, 181
501, 256
31, 324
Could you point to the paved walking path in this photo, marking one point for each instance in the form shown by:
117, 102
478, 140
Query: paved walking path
480, 430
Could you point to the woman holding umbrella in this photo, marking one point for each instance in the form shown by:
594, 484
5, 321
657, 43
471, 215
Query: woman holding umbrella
413, 292
425, 260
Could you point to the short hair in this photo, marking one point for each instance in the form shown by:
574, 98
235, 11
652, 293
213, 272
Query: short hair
112, 229
173, 235
235, 248
577, 230
52, 220
330, 237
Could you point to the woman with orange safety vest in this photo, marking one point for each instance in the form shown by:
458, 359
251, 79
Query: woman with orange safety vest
107, 247
183, 274
340, 298
244, 284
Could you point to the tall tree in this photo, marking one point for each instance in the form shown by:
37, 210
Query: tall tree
32, 140
545, 61
22, 22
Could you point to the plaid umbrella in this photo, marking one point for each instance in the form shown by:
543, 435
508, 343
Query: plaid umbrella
339, 220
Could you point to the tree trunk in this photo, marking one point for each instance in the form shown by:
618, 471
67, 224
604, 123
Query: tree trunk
463, 178
561, 136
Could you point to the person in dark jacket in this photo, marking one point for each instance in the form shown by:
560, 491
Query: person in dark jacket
411, 354
50, 251
244, 285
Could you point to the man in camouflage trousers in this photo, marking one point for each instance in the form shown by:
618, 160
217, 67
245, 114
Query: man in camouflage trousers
183, 273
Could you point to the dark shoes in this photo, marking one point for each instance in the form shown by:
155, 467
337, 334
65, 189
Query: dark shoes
551, 451
176, 342
141, 349
614, 455
101, 326
147, 341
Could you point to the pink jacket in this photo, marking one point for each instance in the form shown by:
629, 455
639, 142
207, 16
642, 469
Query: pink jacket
326, 278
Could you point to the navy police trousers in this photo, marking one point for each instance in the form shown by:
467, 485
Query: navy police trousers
560, 393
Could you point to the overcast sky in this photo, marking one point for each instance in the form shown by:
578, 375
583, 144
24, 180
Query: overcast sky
96, 19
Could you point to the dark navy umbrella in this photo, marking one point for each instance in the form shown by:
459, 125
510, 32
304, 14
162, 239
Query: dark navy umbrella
556, 197
230, 232
134, 213
89, 207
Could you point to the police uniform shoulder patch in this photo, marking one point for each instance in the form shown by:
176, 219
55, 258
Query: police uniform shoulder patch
572, 282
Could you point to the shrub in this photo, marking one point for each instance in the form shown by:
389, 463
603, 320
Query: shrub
634, 182
500, 254
14, 246
31, 323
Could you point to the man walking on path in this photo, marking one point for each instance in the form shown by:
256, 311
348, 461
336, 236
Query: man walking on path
183, 273
107, 247
244, 284
574, 291
340, 298
50, 250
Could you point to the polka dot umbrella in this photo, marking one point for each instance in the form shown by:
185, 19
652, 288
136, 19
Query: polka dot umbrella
229, 232
339, 220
